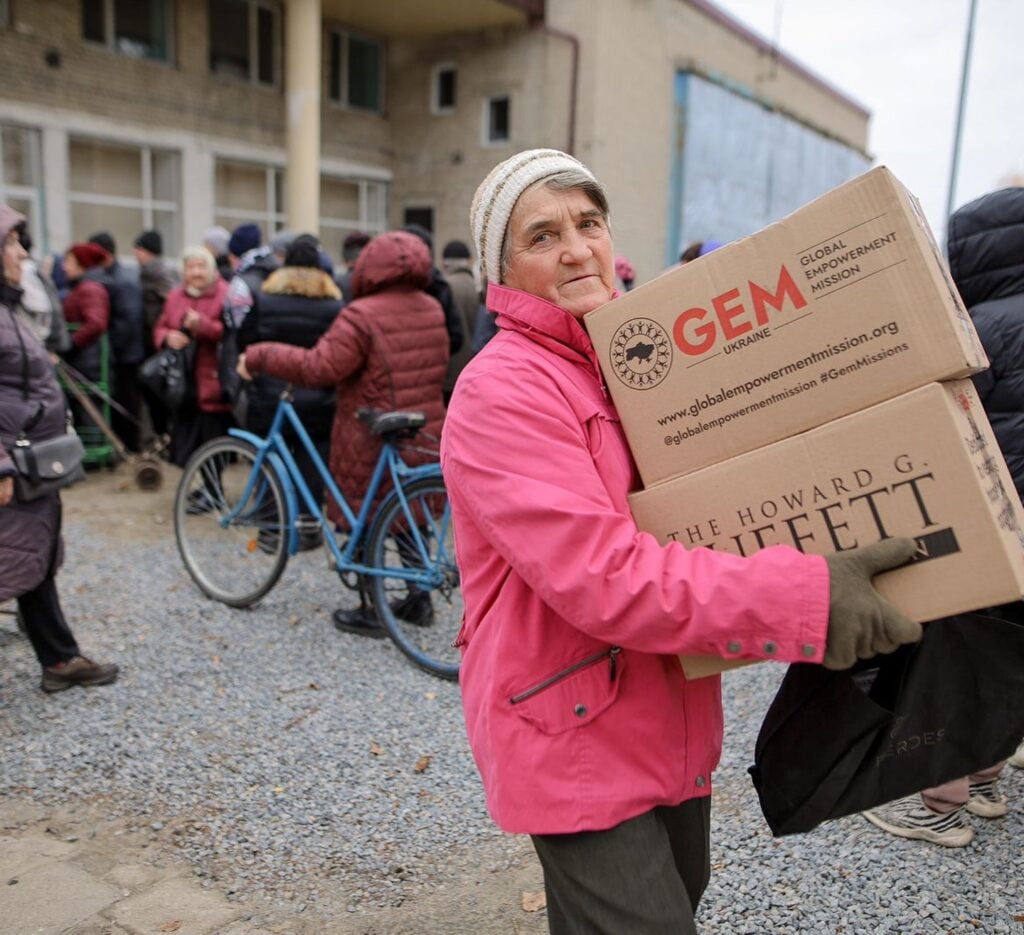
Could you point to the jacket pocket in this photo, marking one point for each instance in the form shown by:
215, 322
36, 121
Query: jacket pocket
573, 696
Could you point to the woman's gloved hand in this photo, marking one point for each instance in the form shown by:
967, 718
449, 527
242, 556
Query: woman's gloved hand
862, 623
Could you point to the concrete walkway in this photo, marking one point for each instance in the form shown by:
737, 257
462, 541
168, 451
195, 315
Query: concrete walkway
63, 874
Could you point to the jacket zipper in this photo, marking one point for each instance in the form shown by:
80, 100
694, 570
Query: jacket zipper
611, 653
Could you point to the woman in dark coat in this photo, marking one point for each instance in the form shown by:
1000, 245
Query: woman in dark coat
295, 305
192, 316
31, 401
388, 349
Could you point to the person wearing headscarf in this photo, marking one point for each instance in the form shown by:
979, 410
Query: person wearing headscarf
32, 406
192, 318
587, 734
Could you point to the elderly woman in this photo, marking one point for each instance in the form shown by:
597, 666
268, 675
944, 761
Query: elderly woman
586, 732
32, 405
192, 315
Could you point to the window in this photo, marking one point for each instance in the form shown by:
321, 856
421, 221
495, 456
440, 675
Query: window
245, 40
497, 119
355, 71
124, 189
419, 215
350, 204
139, 28
444, 89
247, 192
5, 13
20, 175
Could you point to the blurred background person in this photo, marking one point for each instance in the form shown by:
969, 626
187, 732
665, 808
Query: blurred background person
87, 306
216, 241
192, 315
31, 402
625, 275
438, 288
156, 281
457, 265
351, 247
41, 307
127, 343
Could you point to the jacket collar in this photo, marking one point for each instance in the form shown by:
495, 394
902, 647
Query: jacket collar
543, 322
302, 281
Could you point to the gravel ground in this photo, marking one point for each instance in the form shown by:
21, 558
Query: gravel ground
313, 772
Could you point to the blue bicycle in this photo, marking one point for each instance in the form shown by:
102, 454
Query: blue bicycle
235, 521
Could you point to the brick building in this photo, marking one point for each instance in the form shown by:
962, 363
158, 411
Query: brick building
348, 114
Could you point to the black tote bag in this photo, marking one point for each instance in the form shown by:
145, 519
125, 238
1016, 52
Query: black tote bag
837, 743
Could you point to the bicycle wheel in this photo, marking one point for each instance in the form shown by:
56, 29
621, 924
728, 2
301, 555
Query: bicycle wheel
418, 599
233, 561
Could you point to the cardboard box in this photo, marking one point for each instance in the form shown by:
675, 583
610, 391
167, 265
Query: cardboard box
924, 465
837, 307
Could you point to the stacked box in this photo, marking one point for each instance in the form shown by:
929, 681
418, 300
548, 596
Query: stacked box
841, 305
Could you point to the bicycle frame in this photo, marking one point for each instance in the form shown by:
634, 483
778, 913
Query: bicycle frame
275, 449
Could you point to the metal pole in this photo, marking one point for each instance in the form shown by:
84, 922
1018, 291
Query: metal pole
951, 194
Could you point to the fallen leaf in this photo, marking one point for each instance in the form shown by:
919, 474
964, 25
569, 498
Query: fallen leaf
171, 926
534, 902
215, 660
430, 696
293, 619
376, 749
422, 763
278, 789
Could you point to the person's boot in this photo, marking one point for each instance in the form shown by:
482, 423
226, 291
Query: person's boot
414, 608
361, 620
77, 671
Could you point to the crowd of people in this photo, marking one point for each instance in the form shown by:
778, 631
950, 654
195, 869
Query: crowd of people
586, 732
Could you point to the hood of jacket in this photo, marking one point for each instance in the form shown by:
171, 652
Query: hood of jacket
258, 258
301, 280
986, 246
395, 258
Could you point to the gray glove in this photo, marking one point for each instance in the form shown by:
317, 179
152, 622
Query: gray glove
862, 623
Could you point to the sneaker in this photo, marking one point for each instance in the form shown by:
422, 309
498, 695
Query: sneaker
985, 800
361, 620
415, 608
1017, 760
911, 818
77, 671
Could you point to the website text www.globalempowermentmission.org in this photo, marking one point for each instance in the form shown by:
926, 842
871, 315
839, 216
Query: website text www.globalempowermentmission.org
816, 358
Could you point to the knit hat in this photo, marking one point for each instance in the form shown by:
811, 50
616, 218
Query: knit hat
104, 240
420, 231
304, 250
455, 250
88, 254
497, 196
216, 239
151, 241
246, 237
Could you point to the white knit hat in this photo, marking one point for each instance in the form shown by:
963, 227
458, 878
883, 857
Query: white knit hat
497, 196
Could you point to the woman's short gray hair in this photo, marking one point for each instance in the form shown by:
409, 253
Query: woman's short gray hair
565, 180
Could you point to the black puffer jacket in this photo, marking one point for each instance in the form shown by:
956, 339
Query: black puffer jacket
296, 305
986, 258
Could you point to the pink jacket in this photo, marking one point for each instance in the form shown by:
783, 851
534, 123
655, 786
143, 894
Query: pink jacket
577, 710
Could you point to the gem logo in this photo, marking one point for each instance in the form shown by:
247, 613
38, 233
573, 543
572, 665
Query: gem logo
641, 353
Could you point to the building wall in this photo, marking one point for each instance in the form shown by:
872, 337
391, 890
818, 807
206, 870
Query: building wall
632, 50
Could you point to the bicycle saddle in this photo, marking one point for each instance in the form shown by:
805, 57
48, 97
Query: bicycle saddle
392, 423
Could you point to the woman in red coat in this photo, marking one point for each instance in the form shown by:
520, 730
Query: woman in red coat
387, 349
192, 315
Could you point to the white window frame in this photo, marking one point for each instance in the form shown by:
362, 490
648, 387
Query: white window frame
435, 89
342, 101
273, 219
32, 193
253, 7
488, 140
363, 222
109, 26
146, 202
